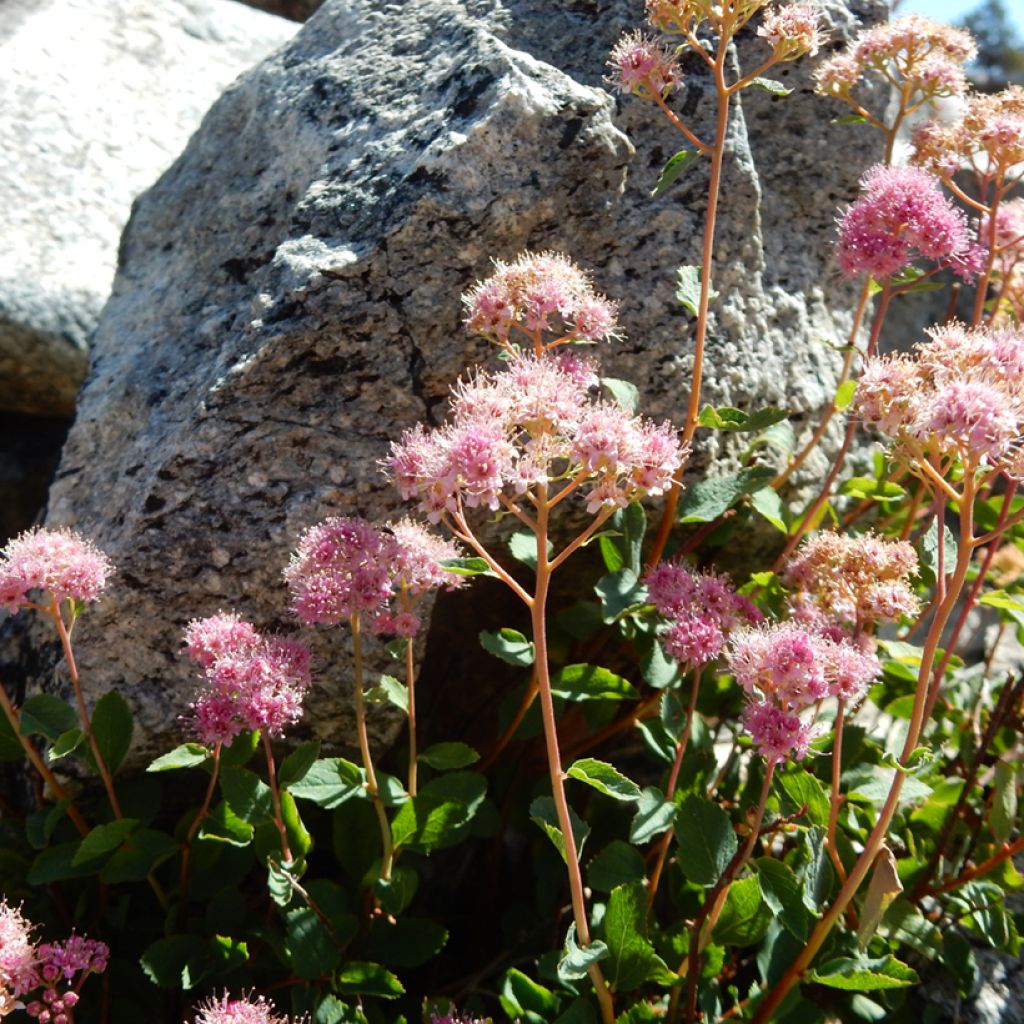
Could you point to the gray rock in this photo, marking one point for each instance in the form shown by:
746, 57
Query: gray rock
98, 99
288, 293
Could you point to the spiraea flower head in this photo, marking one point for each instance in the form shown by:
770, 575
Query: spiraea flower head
17, 951
792, 30
59, 562
453, 1016
855, 582
250, 681
921, 57
245, 1010
960, 396
902, 216
528, 426
339, 571
779, 734
538, 294
642, 66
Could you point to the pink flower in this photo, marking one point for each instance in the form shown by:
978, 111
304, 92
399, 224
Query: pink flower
338, 571
642, 66
17, 951
247, 1010
784, 662
792, 30
902, 216
973, 415
59, 562
416, 555
211, 638
778, 734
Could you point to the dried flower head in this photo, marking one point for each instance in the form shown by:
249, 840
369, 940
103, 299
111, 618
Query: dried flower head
537, 294
58, 562
792, 30
528, 426
903, 216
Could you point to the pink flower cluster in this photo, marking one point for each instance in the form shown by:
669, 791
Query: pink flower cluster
702, 610
48, 967
902, 216
537, 294
247, 1010
988, 137
59, 562
346, 567
643, 66
855, 582
787, 669
251, 681
527, 426
454, 1017
792, 30
913, 53
959, 397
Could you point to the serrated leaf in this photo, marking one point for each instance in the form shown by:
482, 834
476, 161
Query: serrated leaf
605, 778
801, 789
141, 852
545, 816
707, 841
730, 419
247, 794
294, 767
576, 960
654, 814
769, 85
688, 289
46, 715
745, 915
591, 682
631, 957
66, 744
112, 728
780, 436
222, 825
102, 839
675, 166
467, 566
707, 499
768, 504
446, 757
523, 999
389, 691
329, 782
782, 892
165, 962
188, 755
615, 865
435, 817
624, 394
368, 979
396, 893
856, 975
312, 951
54, 865
510, 645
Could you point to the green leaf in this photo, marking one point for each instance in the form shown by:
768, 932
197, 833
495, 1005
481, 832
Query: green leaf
850, 119
329, 782
407, 942
396, 893
928, 553
467, 566
872, 783
619, 593
39, 825
707, 841
707, 499
800, 790
389, 691
247, 794
580, 1012
368, 979
524, 999
727, 418
624, 394
654, 815
769, 85
768, 503
745, 915
865, 487
141, 853
445, 757
241, 748
294, 767
780, 436
782, 893
222, 825
435, 817
46, 715
543, 813
591, 682
112, 727
631, 957
311, 949
605, 778
188, 755
688, 289
844, 394
856, 975
10, 746
67, 744
1003, 817
174, 962
818, 875
523, 548
510, 645
576, 960
102, 839
673, 169
616, 864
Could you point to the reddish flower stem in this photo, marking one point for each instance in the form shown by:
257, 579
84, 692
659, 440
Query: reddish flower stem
275, 796
186, 847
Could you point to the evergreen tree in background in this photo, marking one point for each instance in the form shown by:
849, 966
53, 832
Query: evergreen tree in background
1000, 47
